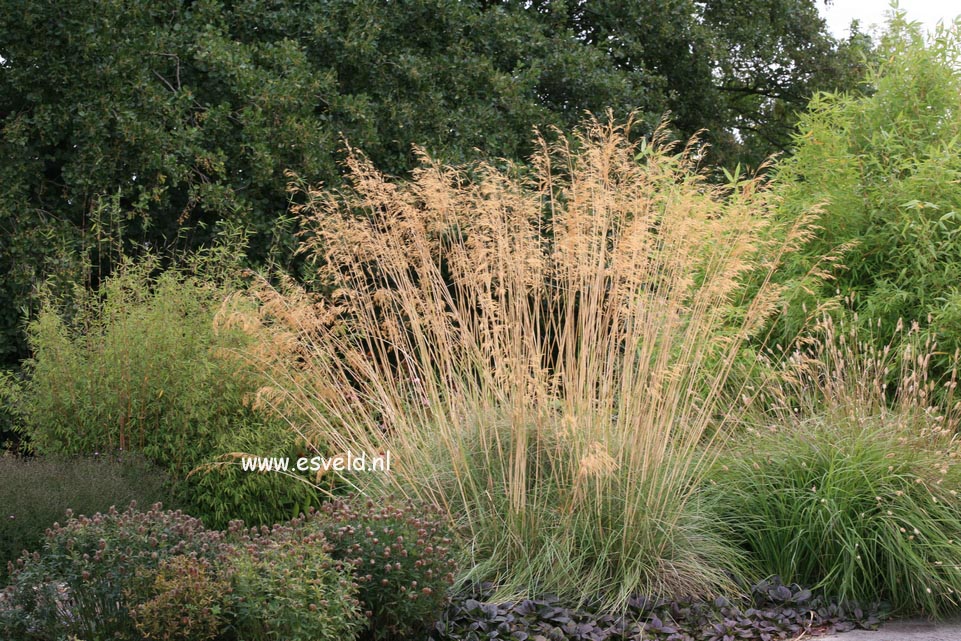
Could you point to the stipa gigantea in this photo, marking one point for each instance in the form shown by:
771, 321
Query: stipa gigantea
546, 351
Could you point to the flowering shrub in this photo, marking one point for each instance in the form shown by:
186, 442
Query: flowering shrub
287, 588
35, 492
402, 559
187, 601
162, 575
78, 584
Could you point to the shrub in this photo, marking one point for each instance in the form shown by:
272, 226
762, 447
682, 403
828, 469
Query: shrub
401, 557
35, 492
79, 581
847, 489
543, 349
10, 391
139, 366
885, 166
220, 490
186, 604
287, 588
162, 575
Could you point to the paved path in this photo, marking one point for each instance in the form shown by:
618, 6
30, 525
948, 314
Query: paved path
907, 630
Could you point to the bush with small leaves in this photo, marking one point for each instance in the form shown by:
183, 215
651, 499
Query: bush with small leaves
883, 168
187, 601
79, 583
138, 365
402, 558
287, 588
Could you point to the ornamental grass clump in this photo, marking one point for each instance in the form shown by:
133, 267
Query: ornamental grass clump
851, 485
545, 350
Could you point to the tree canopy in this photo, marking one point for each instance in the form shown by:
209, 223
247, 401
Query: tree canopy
128, 123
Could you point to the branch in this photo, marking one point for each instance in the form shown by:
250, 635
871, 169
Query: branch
757, 91
176, 71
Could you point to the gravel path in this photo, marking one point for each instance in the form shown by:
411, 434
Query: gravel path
906, 630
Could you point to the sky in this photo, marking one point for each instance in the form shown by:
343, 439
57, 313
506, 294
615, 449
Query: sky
840, 13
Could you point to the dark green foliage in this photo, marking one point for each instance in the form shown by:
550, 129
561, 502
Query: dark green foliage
220, 491
860, 508
10, 391
402, 559
188, 113
886, 167
137, 121
774, 611
771, 57
140, 366
35, 492
723, 65
153, 109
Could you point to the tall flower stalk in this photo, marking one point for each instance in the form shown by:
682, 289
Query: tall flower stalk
546, 350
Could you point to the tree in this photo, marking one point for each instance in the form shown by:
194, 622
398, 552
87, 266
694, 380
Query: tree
742, 70
142, 122
151, 112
